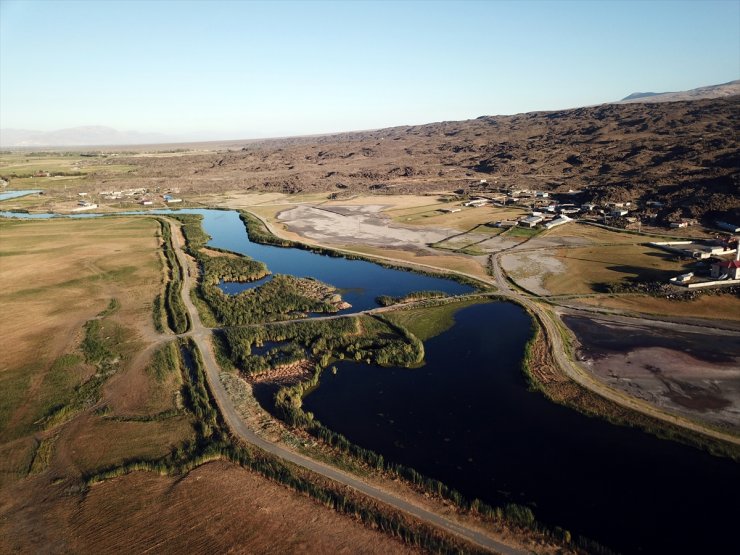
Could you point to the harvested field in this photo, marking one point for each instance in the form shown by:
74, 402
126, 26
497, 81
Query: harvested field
143, 512
91, 443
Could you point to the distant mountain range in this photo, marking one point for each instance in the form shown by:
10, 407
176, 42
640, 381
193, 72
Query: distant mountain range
96, 135
713, 91
78, 136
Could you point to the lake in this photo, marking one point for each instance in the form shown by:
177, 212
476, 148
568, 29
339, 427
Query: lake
468, 419
359, 282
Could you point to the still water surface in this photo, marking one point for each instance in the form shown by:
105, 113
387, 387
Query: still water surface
468, 419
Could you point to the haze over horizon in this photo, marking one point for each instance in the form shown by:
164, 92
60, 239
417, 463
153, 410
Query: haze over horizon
241, 70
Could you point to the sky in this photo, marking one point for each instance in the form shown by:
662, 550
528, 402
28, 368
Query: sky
237, 69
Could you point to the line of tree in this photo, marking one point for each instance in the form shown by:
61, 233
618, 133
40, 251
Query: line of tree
177, 316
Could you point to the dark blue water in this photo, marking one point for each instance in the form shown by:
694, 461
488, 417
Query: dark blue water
468, 419
359, 282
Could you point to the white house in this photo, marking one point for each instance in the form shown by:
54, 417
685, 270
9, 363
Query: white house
558, 221
530, 221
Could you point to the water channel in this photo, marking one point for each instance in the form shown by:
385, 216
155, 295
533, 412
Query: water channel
468, 419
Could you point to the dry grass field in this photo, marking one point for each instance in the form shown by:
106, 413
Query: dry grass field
216, 508
711, 307
586, 267
60, 275
57, 275
462, 264
585, 270
590, 234
466, 219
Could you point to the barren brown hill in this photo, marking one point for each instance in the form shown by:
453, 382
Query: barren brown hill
684, 154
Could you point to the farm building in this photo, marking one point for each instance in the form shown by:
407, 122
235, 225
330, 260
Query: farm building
726, 269
85, 206
530, 221
570, 210
683, 278
558, 221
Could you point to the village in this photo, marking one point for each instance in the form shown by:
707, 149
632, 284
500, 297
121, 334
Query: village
717, 258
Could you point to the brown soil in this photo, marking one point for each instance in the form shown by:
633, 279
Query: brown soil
684, 154
216, 508
695, 374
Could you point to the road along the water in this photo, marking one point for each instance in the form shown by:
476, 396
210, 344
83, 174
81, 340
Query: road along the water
582, 377
552, 332
202, 337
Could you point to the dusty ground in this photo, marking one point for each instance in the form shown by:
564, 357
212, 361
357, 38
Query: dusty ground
688, 371
361, 224
216, 508
530, 269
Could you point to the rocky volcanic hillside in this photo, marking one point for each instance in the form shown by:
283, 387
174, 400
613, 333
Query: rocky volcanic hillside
683, 153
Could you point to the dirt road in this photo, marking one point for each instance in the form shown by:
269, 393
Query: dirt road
202, 335
583, 378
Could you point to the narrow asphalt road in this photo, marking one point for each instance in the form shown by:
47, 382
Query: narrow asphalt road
202, 335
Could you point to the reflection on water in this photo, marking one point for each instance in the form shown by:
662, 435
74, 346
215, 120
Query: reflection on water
468, 419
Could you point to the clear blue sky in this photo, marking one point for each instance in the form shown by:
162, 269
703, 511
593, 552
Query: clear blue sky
250, 69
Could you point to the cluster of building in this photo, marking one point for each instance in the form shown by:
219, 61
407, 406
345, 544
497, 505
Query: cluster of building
720, 259
118, 195
140, 195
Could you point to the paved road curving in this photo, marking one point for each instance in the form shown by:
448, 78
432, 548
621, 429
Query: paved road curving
583, 378
201, 335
